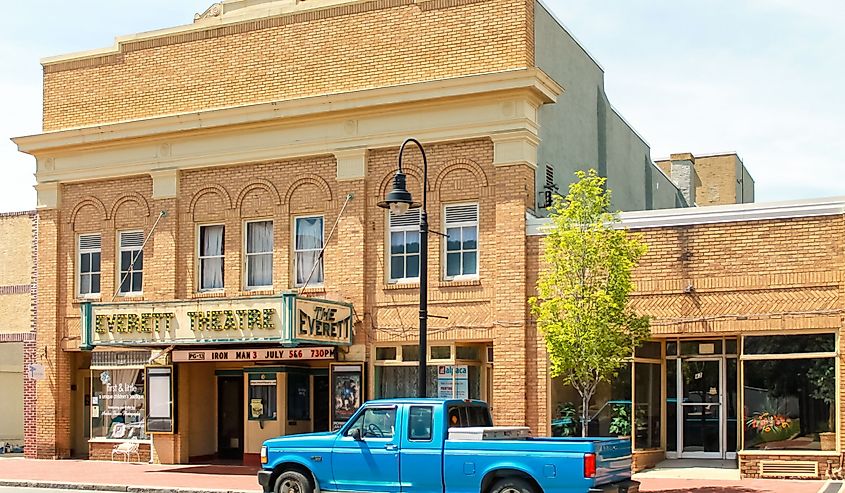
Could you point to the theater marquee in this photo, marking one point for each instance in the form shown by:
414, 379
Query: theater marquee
287, 320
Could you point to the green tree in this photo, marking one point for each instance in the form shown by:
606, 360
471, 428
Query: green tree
582, 303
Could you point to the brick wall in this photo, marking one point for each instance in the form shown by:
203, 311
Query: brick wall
18, 292
103, 451
354, 260
328, 51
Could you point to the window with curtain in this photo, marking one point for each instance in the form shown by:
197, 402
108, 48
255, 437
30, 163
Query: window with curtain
89, 264
462, 241
131, 262
211, 256
404, 246
259, 254
308, 243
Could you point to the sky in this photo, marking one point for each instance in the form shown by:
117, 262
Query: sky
763, 78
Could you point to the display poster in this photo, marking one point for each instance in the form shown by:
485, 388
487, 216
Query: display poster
347, 386
453, 381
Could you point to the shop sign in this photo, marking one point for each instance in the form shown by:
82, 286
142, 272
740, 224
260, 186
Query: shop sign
322, 321
253, 354
287, 320
36, 372
453, 382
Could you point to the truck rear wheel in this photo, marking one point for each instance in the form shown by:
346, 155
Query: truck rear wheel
512, 485
293, 482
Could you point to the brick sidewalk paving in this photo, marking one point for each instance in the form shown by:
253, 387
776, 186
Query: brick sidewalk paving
202, 477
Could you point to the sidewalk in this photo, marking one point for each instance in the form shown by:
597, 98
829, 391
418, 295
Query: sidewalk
190, 478
118, 476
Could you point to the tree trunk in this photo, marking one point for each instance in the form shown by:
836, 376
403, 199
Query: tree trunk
585, 414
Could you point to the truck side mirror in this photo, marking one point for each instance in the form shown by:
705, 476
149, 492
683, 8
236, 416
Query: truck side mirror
356, 434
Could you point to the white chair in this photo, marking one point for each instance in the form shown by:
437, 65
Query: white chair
126, 449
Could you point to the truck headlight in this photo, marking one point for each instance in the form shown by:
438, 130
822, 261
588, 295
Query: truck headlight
264, 454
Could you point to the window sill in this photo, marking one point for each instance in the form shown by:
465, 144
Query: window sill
311, 290
258, 292
130, 297
823, 453
402, 285
87, 299
208, 294
446, 283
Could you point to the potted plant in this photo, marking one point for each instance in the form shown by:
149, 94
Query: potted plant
565, 424
822, 376
620, 421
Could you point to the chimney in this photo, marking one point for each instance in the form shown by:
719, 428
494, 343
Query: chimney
683, 174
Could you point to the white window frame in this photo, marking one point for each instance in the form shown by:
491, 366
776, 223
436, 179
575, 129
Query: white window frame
462, 224
389, 254
81, 251
247, 254
311, 283
120, 271
200, 258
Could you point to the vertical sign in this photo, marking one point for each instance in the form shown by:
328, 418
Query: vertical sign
346, 381
453, 382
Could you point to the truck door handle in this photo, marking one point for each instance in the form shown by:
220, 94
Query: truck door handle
390, 446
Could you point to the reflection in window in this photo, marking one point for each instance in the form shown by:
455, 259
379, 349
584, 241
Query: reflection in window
648, 402
375, 423
780, 344
419, 423
611, 406
789, 403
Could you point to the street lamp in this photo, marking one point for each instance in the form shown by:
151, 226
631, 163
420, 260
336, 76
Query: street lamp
399, 200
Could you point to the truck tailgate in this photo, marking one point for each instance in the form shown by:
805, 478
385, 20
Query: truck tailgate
613, 460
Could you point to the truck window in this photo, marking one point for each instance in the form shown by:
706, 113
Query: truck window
375, 422
467, 416
419, 423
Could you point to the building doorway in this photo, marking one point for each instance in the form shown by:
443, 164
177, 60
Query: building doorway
321, 403
701, 415
230, 417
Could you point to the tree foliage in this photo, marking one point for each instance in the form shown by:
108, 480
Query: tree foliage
582, 304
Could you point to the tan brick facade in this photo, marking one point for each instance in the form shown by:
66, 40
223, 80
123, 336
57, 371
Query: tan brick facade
344, 48
17, 327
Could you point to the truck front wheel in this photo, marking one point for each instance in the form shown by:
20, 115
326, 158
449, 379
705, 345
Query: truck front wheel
293, 482
512, 485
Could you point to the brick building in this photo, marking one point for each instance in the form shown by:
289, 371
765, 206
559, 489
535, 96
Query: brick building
17, 329
747, 307
209, 244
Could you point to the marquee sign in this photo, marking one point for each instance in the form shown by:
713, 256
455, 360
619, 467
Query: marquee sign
286, 320
253, 354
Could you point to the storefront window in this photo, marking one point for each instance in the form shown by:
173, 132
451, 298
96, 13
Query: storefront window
648, 402
611, 406
790, 396
789, 404
117, 404
401, 381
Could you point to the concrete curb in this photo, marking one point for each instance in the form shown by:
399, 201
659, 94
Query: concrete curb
56, 485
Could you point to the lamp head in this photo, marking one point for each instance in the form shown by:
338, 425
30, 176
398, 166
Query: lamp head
399, 199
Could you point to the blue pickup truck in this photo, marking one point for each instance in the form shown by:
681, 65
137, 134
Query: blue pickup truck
437, 446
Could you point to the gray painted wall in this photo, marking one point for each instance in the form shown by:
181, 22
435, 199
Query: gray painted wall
581, 130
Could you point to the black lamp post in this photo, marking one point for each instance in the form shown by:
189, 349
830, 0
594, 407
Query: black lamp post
399, 200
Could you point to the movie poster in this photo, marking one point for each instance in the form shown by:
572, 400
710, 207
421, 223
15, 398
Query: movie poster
347, 389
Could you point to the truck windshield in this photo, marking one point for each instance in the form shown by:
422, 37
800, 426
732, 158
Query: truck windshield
466, 416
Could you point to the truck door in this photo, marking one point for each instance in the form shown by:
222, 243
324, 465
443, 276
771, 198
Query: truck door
421, 457
370, 463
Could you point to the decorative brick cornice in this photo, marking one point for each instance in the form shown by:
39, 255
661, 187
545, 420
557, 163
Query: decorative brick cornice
17, 337
16, 289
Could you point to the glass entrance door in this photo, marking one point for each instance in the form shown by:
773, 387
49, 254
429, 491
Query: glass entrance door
701, 417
